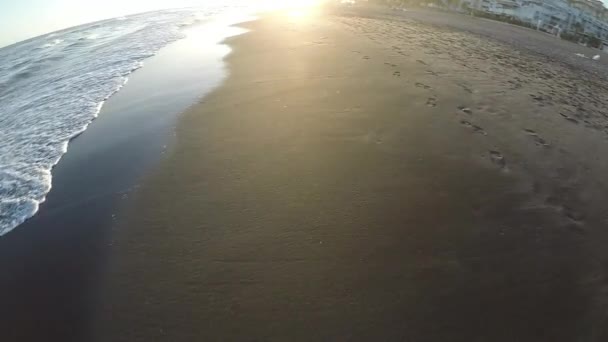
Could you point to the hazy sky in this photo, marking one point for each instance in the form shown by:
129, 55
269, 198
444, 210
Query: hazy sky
22, 19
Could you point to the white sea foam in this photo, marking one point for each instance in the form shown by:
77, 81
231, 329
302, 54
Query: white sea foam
52, 88
53, 43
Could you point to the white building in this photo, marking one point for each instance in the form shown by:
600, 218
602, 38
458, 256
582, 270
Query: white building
504, 7
582, 17
555, 16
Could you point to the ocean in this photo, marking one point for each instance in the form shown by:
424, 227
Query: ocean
53, 86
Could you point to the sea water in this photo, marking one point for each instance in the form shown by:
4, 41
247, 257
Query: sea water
53, 86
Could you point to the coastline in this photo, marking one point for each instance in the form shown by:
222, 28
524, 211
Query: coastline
52, 263
352, 179
348, 181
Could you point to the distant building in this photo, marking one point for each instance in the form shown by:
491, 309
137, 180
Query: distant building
578, 17
508, 8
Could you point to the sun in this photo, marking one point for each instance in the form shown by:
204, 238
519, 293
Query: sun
301, 3
298, 4
297, 10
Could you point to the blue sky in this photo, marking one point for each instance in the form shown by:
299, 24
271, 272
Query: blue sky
22, 19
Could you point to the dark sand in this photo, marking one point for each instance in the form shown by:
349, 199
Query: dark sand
51, 264
367, 179
359, 178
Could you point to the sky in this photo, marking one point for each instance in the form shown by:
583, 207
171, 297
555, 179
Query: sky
23, 19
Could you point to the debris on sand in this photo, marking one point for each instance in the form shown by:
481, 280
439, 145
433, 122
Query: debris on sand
465, 109
498, 159
595, 58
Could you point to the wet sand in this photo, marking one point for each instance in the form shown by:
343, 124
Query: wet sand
51, 264
359, 178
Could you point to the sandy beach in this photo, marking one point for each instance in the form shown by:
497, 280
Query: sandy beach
360, 177
363, 175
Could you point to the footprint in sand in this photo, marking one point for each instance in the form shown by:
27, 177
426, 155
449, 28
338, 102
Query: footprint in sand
576, 217
536, 97
422, 85
396, 73
465, 109
466, 88
514, 85
537, 139
431, 102
569, 118
365, 57
475, 128
421, 62
539, 99
498, 159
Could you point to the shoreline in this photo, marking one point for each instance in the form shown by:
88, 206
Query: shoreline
363, 186
352, 178
53, 262
164, 90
